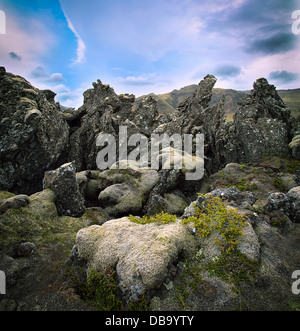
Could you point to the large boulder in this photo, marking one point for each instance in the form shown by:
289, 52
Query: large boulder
142, 255
124, 191
33, 134
233, 200
43, 204
63, 183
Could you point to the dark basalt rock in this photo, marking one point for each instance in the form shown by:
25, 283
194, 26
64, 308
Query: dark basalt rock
62, 181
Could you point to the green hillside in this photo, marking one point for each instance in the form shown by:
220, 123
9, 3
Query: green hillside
292, 99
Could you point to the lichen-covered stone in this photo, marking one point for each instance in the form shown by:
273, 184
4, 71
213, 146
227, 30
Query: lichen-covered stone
141, 254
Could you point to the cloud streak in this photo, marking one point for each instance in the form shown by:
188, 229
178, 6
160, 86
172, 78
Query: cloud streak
80, 44
81, 48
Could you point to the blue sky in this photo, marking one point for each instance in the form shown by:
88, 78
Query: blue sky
143, 46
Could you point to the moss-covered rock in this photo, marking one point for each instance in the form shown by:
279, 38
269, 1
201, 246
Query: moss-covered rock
142, 255
43, 204
16, 201
174, 204
128, 191
271, 175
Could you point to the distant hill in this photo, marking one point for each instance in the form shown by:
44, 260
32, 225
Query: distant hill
168, 102
292, 99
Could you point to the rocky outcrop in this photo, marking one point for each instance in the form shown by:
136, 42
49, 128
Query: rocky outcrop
195, 116
38, 136
146, 116
103, 111
33, 134
263, 124
261, 119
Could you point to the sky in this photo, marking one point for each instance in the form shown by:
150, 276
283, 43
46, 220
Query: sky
145, 46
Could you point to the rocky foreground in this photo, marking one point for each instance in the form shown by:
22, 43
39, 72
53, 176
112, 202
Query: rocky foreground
73, 237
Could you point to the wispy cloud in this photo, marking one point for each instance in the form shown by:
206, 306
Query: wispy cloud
80, 44
138, 80
81, 47
41, 75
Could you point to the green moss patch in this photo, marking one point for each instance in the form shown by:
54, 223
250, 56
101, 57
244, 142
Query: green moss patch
162, 218
214, 215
